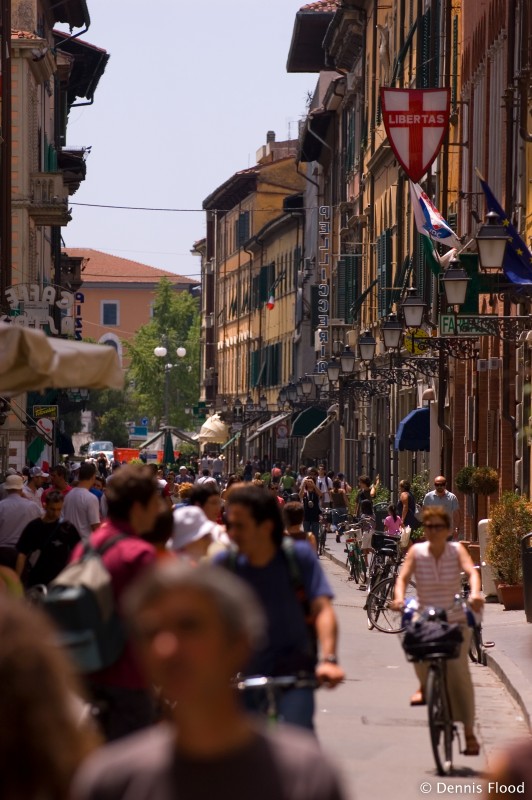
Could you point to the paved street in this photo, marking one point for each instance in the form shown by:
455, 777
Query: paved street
380, 743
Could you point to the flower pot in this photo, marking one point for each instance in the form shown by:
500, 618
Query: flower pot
512, 596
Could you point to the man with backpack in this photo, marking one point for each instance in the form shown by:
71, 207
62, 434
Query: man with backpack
295, 596
133, 501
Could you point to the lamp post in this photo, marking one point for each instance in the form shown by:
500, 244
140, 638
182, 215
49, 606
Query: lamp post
161, 351
492, 239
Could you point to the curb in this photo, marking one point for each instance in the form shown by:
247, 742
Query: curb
503, 667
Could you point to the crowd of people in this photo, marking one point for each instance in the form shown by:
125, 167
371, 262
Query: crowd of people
212, 577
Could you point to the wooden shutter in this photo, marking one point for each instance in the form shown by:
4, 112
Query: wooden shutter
263, 284
339, 290
314, 314
351, 285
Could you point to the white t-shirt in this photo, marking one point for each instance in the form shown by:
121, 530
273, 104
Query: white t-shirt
82, 509
324, 485
34, 496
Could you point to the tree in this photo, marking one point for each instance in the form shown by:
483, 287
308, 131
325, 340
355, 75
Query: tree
175, 323
111, 409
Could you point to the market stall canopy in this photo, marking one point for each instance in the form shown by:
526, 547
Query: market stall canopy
177, 434
30, 360
413, 432
318, 442
213, 431
307, 421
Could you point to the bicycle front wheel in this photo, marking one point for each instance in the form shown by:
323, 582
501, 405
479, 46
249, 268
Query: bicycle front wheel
380, 613
440, 722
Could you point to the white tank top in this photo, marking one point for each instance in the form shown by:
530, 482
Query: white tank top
438, 580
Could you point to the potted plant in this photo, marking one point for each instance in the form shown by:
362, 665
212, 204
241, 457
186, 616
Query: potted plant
511, 519
463, 479
484, 480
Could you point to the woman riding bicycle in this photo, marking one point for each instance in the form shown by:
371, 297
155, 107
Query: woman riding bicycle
437, 566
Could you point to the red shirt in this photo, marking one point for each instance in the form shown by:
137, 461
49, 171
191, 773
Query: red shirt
64, 492
126, 560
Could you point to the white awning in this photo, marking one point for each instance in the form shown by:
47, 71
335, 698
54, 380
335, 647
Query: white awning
31, 361
213, 431
267, 425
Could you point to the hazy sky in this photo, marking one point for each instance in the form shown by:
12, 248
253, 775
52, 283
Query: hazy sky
188, 95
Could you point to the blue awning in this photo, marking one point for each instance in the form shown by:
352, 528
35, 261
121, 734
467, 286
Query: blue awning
413, 432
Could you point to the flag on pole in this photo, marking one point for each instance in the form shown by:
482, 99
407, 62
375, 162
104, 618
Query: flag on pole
429, 221
271, 302
517, 265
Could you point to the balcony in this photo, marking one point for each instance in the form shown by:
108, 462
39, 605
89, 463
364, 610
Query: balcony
48, 199
71, 267
71, 163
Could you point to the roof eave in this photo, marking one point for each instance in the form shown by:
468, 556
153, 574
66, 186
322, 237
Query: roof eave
74, 13
306, 53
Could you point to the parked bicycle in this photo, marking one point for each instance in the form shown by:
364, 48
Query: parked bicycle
355, 561
477, 648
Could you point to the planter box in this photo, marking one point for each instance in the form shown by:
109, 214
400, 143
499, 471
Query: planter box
512, 596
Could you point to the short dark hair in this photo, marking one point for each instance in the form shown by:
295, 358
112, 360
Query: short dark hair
59, 470
365, 480
163, 528
262, 506
405, 485
293, 514
87, 471
53, 497
131, 484
201, 493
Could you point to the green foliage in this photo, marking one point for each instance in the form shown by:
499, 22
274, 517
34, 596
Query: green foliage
111, 409
511, 519
175, 323
382, 495
485, 480
420, 486
463, 478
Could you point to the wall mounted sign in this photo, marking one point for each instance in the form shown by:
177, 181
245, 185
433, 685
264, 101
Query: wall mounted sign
34, 306
416, 121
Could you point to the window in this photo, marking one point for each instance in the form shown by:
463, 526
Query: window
384, 271
110, 313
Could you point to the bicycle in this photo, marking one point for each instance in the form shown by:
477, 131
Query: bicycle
442, 727
272, 689
477, 648
380, 613
385, 563
322, 538
355, 561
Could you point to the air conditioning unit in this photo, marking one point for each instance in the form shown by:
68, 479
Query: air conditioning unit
494, 363
209, 267
209, 320
482, 365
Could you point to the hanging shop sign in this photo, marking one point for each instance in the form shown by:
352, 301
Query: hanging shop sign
416, 121
34, 306
324, 273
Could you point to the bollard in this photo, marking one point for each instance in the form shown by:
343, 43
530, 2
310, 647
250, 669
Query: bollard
488, 582
526, 558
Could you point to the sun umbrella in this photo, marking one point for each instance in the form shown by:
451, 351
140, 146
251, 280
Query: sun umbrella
31, 361
213, 431
168, 452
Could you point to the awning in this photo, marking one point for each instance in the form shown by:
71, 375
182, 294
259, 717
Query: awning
413, 432
31, 361
178, 435
267, 425
318, 442
213, 431
234, 438
308, 420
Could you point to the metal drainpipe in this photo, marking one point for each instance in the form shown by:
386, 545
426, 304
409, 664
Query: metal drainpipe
5, 150
525, 67
250, 254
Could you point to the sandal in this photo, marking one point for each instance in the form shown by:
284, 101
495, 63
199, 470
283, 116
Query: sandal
418, 699
472, 745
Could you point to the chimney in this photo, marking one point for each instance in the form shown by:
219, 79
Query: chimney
270, 137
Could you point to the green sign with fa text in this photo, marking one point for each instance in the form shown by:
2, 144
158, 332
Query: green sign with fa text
454, 325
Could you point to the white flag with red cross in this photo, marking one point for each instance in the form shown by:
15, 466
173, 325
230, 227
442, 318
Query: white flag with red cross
416, 121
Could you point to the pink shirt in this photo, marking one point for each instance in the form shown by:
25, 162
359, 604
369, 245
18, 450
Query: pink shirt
126, 560
392, 525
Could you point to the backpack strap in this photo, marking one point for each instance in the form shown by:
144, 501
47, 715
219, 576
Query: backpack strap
90, 549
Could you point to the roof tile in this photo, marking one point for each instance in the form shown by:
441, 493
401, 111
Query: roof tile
321, 6
106, 268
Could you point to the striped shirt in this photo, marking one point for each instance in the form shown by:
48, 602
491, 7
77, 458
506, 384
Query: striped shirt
438, 580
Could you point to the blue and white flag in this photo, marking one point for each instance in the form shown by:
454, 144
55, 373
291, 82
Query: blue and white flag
429, 221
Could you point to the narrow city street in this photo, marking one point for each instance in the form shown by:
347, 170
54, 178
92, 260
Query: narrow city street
379, 742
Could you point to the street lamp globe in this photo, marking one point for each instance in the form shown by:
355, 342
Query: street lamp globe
181, 352
263, 402
367, 344
347, 360
291, 392
392, 332
249, 405
307, 385
160, 352
492, 239
413, 309
299, 389
455, 280
333, 370
283, 396
319, 376
225, 405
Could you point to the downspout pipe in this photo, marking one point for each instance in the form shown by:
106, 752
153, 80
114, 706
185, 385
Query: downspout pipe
525, 69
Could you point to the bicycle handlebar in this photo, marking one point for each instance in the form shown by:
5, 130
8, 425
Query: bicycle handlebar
277, 682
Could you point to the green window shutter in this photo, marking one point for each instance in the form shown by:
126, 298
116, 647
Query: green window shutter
296, 265
380, 291
384, 271
242, 229
378, 113
314, 314
420, 266
255, 292
340, 305
254, 367
454, 68
263, 284
271, 278
351, 285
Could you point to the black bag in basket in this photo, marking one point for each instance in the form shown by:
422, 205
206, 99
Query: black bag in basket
429, 637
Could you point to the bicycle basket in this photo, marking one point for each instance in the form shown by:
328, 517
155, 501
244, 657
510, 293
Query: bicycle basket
432, 638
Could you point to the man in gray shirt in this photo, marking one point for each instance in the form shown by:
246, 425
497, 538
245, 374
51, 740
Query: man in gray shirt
449, 501
15, 513
196, 627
